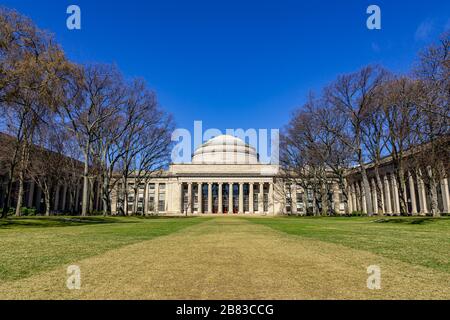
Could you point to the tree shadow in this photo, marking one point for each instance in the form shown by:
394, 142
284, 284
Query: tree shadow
50, 222
406, 220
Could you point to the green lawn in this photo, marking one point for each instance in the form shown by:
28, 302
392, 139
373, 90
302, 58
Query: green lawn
418, 241
31, 245
238, 257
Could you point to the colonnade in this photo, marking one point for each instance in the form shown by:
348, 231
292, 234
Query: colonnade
227, 197
386, 197
63, 200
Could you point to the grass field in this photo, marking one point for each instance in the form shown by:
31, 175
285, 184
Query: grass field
33, 245
418, 241
225, 258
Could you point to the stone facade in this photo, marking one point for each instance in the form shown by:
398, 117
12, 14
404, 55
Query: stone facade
225, 177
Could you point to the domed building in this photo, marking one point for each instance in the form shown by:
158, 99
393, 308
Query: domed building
225, 149
225, 173
224, 177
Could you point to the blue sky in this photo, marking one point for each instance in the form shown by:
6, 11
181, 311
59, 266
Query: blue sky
240, 64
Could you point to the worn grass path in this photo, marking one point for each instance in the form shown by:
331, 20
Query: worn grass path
232, 258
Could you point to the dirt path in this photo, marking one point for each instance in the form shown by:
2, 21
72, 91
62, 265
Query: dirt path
231, 258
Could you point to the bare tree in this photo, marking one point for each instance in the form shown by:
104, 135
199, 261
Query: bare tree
145, 146
352, 96
399, 104
311, 156
30, 68
93, 99
433, 124
47, 162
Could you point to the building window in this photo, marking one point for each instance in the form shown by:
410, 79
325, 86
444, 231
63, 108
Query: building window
162, 198
185, 198
151, 197
246, 197
140, 202
310, 198
256, 200
288, 204
195, 191
300, 204
266, 198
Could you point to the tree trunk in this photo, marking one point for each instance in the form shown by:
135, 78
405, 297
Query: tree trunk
433, 193
344, 189
379, 192
20, 195
91, 196
125, 196
324, 196
402, 190
7, 199
366, 187
305, 201
135, 205
47, 202
84, 205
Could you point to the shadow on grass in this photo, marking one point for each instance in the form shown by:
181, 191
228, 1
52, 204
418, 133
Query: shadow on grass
68, 221
407, 220
46, 222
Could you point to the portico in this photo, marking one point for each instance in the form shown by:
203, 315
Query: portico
227, 196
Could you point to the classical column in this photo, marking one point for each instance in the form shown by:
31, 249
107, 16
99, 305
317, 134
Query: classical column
363, 198
200, 197
445, 195
251, 198
210, 203
271, 204
412, 192
230, 199
241, 197
422, 197
294, 198
157, 198
354, 198
350, 200
422, 194
336, 199
220, 209
387, 195
30, 195
383, 207
190, 202
395, 194
261, 198
375, 197
180, 198
146, 199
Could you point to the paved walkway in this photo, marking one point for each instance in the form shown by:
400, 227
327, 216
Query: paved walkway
231, 258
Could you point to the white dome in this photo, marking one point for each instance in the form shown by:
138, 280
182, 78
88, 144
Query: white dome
225, 149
